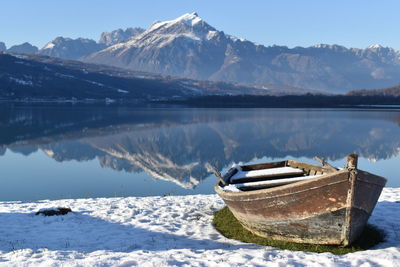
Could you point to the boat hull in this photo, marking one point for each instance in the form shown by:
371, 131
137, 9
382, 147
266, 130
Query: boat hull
331, 209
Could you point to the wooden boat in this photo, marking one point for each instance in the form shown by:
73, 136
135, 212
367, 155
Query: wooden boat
299, 202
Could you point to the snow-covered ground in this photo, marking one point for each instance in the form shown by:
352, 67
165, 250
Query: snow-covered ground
161, 231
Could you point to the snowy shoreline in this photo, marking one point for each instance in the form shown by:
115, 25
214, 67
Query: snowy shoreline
162, 231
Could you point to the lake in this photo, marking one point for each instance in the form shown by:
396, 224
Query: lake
55, 152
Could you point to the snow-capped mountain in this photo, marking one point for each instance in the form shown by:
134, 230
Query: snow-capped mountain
2, 47
186, 46
23, 48
189, 47
70, 48
381, 54
119, 36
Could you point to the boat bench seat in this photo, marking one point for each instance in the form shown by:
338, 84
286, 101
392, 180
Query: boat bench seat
271, 183
280, 171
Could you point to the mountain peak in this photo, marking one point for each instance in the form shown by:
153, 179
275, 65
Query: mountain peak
23, 48
375, 46
191, 18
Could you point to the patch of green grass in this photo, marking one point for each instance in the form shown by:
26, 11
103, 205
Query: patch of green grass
229, 226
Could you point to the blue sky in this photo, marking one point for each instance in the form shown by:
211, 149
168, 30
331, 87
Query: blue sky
352, 23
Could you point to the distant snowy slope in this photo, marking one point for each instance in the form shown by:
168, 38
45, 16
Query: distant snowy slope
43, 78
28, 76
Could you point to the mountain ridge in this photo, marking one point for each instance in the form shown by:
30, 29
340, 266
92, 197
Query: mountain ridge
189, 47
393, 91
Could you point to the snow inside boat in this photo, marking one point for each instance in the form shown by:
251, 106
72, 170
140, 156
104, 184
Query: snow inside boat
300, 202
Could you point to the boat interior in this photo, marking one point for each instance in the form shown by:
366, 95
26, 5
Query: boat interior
267, 175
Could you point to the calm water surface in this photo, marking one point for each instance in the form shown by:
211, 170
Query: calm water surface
53, 152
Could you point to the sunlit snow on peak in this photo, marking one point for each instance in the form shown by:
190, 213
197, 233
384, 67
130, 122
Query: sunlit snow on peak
49, 45
191, 18
375, 46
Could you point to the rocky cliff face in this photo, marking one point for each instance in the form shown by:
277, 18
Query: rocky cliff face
119, 36
70, 48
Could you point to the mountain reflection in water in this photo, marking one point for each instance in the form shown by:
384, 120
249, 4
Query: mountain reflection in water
174, 143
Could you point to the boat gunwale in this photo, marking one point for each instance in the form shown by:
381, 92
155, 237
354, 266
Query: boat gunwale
221, 192
327, 175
